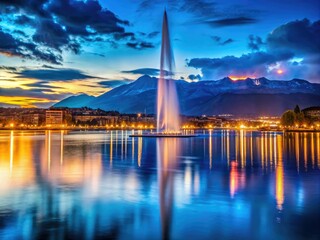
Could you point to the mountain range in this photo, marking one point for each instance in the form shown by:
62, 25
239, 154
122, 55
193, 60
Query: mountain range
249, 97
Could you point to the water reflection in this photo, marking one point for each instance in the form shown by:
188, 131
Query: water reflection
279, 173
168, 150
237, 179
59, 184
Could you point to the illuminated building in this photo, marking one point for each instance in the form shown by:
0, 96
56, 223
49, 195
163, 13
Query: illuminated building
54, 117
312, 112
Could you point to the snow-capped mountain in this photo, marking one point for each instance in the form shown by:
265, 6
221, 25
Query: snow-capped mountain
243, 97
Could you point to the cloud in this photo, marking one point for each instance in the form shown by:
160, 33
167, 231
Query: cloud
34, 7
140, 45
124, 35
147, 71
300, 36
194, 77
255, 43
21, 33
56, 74
294, 40
144, 71
206, 12
225, 22
42, 86
77, 16
252, 64
24, 20
8, 68
97, 54
114, 83
31, 93
9, 46
221, 42
153, 34
60, 25
54, 36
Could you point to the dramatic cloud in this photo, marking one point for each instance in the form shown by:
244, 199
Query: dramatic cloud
10, 46
54, 36
301, 36
62, 25
251, 64
221, 42
56, 74
33, 7
291, 49
78, 16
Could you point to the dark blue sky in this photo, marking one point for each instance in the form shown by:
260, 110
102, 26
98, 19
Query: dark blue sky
48, 47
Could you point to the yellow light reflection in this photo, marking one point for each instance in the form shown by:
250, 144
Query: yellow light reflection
11, 151
132, 145
228, 147
61, 146
262, 149
16, 162
210, 149
279, 176
271, 151
305, 158
242, 148
312, 149
297, 152
233, 179
139, 150
318, 149
80, 166
111, 149
122, 145
49, 149
237, 179
251, 150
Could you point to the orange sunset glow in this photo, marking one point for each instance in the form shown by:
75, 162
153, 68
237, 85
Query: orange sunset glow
237, 78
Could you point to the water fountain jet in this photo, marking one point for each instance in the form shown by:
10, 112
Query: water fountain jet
168, 120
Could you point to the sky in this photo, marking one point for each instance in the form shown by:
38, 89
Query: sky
52, 49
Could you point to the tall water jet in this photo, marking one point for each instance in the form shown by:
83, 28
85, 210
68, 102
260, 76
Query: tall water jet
168, 121
167, 100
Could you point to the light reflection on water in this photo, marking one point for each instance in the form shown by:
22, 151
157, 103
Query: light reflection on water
222, 184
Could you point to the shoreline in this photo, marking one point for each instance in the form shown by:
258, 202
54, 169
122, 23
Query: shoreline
151, 129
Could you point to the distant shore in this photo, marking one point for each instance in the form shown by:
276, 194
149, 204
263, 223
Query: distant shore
150, 129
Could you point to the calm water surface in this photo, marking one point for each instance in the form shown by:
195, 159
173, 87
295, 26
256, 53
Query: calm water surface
221, 184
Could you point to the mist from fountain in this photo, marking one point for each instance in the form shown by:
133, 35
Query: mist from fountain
167, 101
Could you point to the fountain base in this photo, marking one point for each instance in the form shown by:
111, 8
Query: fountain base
163, 135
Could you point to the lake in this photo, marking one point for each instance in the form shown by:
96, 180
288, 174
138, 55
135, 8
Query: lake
222, 184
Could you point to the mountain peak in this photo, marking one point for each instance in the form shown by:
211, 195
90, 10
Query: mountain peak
258, 95
76, 101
